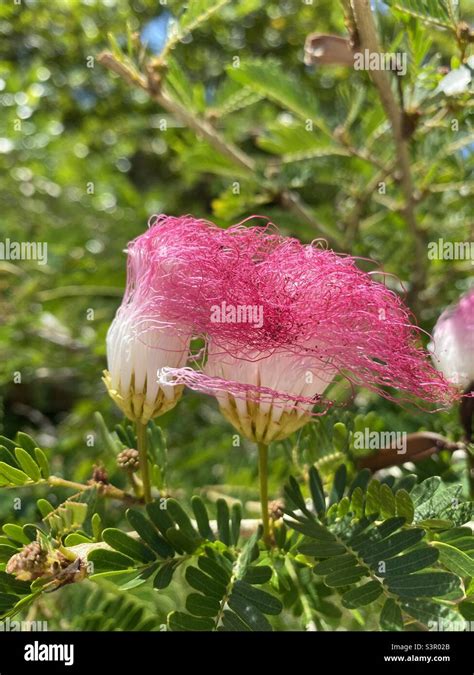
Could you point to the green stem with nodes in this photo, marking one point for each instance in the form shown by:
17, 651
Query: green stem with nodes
108, 490
143, 459
263, 477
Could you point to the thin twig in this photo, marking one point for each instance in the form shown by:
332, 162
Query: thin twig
204, 129
362, 198
368, 40
154, 87
292, 201
105, 490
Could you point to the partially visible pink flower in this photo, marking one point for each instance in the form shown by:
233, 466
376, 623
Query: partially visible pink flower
453, 342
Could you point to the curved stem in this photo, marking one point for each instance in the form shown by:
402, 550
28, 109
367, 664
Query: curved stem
309, 614
143, 459
153, 86
108, 490
263, 478
394, 111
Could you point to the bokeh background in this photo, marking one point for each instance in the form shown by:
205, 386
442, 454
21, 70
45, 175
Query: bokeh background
85, 161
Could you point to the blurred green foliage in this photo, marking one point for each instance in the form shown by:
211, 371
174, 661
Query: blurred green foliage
86, 158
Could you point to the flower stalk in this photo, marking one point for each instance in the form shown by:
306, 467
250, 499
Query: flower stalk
143, 459
263, 478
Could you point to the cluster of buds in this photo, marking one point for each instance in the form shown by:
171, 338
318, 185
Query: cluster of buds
34, 562
128, 459
30, 563
317, 316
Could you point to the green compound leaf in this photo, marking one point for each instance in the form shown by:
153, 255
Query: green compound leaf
123, 543
105, 560
424, 584
149, 534
391, 616
362, 595
267, 78
367, 547
455, 560
12, 475
180, 621
431, 11
202, 518
29, 466
404, 505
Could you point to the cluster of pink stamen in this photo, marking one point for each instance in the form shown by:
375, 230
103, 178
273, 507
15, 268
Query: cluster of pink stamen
315, 305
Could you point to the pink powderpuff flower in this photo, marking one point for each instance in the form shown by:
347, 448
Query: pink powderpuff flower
138, 347
175, 270
452, 346
291, 317
152, 329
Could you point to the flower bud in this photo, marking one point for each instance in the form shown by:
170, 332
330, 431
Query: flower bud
128, 459
137, 350
28, 564
453, 342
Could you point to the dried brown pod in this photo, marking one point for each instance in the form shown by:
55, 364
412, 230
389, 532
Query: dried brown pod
275, 509
328, 50
410, 119
419, 445
99, 475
